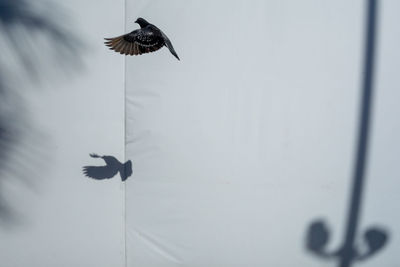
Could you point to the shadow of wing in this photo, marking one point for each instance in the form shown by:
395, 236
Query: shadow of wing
99, 173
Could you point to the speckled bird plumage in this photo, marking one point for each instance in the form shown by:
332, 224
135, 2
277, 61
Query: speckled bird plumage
147, 39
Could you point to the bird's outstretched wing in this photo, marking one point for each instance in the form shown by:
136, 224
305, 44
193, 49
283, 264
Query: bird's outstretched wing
138, 42
99, 173
169, 45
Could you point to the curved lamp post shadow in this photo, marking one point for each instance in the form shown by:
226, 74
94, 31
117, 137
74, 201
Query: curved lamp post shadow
375, 238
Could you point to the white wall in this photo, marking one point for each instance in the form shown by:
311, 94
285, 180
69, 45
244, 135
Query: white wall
62, 217
236, 148
250, 138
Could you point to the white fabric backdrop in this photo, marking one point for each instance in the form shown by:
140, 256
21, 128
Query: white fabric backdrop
250, 138
236, 148
64, 219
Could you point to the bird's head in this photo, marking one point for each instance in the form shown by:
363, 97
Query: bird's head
142, 22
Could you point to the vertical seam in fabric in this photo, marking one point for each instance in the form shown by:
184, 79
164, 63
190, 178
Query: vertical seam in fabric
124, 189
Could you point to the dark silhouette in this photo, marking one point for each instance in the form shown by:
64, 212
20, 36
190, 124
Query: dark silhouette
318, 238
375, 238
147, 39
25, 28
112, 167
20, 20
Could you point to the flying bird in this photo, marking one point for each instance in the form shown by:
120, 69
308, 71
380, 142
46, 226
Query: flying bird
147, 39
112, 167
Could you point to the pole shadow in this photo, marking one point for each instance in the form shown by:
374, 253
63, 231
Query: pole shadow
375, 238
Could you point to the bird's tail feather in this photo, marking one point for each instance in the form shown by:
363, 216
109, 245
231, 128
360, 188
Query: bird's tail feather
170, 47
126, 170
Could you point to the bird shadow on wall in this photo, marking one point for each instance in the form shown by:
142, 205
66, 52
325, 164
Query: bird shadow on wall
35, 46
113, 167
